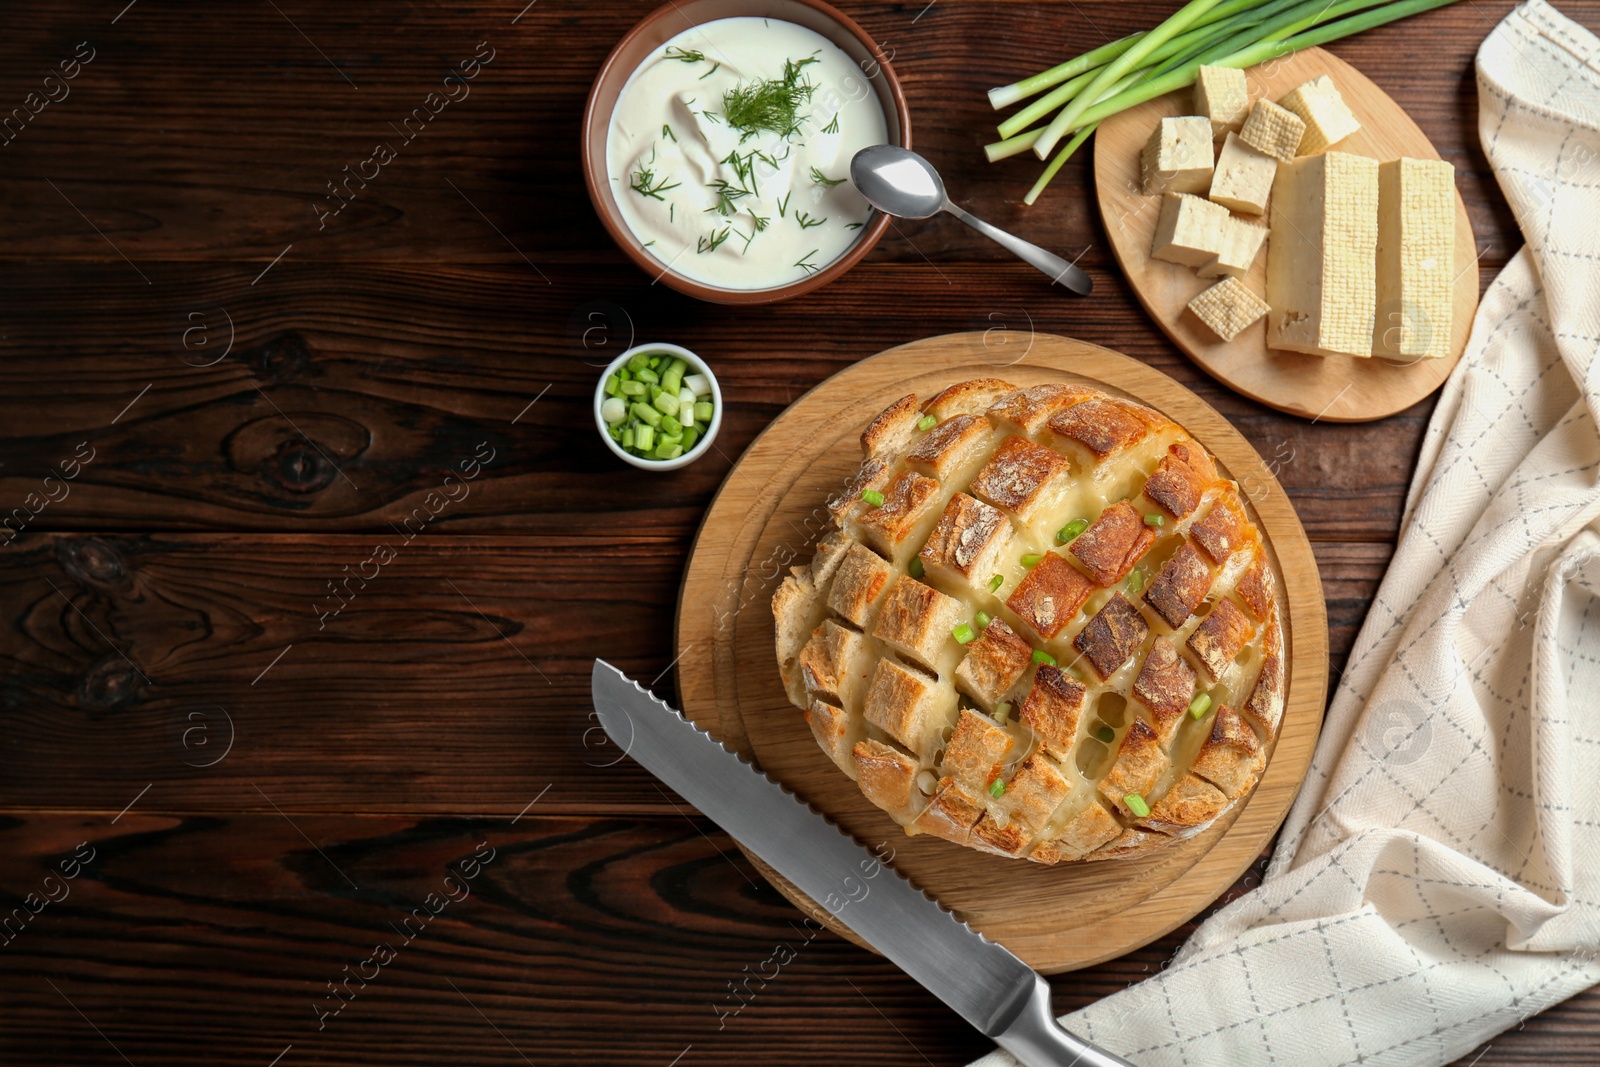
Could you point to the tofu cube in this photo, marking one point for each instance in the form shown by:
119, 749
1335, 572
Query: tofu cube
1228, 307
1416, 258
1177, 158
1241, 241
1321, 268
1221, 95
1328, 118
1242, 181
1189, 231
1273, 131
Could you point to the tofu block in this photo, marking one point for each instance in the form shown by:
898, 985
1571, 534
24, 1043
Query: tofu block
1321, 267
1228, 308
1242, 180
1189, 231
1177, 158
1328, 118
1241, 241
1221, 95
1416, 258
1273, 131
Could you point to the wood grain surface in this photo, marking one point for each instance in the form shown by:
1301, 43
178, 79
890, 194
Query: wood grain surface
469, 295
1331, 388
770, 509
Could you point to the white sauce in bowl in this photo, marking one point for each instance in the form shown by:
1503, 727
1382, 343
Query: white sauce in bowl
729, 152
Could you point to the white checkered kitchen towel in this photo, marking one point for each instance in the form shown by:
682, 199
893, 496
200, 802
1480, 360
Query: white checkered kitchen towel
1438, 880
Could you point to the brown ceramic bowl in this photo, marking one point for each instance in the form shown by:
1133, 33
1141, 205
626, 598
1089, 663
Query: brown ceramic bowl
660, 26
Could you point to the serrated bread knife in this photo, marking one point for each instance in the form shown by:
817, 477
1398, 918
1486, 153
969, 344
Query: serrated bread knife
984, 983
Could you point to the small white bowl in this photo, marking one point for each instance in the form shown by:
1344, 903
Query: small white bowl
696, 366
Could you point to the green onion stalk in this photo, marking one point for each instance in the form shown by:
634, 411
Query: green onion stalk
1142, 66
1108, 75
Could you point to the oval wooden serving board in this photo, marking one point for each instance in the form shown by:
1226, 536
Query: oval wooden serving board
1336, 388
768, 516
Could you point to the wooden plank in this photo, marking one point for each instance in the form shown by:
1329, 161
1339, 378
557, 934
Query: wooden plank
350, 393
407, 700
212, 941
199, 142
241, 162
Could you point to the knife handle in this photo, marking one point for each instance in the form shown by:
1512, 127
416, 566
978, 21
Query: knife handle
1037, 1040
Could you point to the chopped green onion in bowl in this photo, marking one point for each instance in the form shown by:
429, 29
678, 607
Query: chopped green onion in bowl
658, 406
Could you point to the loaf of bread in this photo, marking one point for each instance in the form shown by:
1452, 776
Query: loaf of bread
1044, 626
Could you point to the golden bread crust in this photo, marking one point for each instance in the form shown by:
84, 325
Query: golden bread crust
976, 750
834, 731
916, 621
945, 447
906, 498
827, 664
1112, 636
1022, 477
859, 584
1000, 645
1190, 803
1036, 791
1113, 543
907, 705
886, 775
1264, 709
1181, 479
1255, 586
1231, 756
1165, 686
889, 432
1219, 637
1048, 599
1222, 530
951, 815
971, 397
1180, 586
992, 665
1053, 708
1100, 424
968, 540
1028, 411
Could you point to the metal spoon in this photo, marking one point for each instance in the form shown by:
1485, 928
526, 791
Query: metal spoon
899, 182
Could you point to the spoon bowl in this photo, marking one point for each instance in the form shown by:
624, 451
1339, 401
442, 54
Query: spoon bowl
898, 181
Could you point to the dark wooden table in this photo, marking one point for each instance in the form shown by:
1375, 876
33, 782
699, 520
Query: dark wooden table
343, 811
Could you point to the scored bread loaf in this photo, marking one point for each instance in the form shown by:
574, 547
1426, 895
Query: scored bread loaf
1043, 627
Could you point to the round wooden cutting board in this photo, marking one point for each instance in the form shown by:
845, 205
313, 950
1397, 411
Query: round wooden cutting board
768, 516
1335, 388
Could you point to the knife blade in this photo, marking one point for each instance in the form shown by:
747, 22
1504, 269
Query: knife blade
980, 980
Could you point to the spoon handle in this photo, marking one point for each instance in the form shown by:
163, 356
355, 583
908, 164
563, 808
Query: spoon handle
1051, 264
